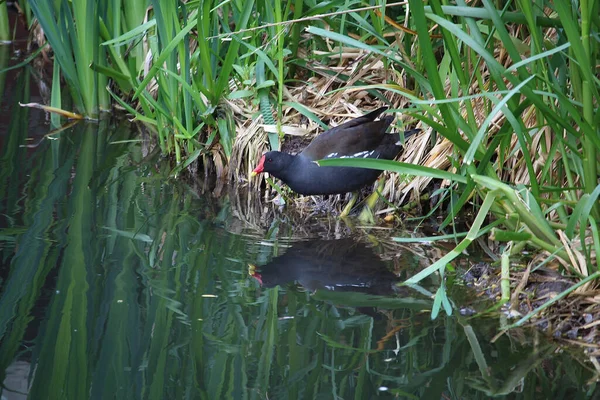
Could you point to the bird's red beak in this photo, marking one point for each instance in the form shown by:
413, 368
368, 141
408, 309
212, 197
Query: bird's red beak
253, 273
260, 168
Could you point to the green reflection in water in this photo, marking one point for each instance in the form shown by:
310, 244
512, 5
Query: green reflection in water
117, 282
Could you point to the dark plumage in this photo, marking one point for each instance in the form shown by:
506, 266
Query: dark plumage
362, 137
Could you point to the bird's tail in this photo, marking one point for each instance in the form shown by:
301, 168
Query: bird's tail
407, 134
411, 132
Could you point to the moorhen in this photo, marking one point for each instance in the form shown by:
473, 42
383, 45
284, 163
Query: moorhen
334, 264
341, 265
362, 137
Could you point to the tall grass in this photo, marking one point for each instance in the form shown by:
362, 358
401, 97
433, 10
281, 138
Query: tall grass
72, 30
199, 56
191, 69
517, 102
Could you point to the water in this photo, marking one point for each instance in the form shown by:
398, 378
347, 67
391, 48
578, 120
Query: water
117, 281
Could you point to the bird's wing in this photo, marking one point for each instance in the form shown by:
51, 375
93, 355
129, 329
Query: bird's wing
358, 135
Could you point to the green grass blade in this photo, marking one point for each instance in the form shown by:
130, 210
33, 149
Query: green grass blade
394, 166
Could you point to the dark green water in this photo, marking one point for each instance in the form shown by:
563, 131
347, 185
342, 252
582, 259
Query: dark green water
118, 282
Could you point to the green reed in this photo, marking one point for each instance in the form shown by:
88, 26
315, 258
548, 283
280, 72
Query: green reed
547, 78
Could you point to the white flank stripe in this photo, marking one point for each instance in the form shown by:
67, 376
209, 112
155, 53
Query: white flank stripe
361, 154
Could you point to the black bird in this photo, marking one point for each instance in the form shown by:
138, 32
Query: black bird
362, 137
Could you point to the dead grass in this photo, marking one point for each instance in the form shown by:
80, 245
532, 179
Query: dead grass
573, 321
319, 95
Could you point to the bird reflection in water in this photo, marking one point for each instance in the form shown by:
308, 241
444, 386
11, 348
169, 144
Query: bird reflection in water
335, 265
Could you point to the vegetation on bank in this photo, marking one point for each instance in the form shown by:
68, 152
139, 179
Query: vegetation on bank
506, 93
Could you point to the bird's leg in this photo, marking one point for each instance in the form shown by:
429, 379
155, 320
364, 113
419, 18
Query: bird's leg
349, 206
366, 215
